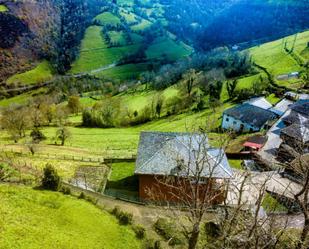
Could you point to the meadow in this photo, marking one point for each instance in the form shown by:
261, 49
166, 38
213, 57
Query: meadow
273, 56
70, 223
95, 53
107, 17
3, 8
41, 73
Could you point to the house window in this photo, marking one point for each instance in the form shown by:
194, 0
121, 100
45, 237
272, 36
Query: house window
234, 122
227, 119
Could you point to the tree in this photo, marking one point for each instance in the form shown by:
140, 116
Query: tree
301, 167
189, 81
37, 136
15, 119
184, 184
230, 87
63, 134
51, 179
260, 85
74, 104
157, 104
61, 115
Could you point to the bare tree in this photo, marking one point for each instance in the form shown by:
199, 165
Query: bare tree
244, 223
301, 167
191, 184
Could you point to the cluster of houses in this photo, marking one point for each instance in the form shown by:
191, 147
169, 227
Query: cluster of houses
167, 155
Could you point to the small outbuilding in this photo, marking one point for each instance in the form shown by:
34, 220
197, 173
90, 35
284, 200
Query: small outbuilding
255, 143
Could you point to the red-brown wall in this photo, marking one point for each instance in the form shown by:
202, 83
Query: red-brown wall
152, 188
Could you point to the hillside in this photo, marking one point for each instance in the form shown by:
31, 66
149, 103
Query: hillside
70, 223
83, 80
128, 38
124, 41
27, 34
202, 20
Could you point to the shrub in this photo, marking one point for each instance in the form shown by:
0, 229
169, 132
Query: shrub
51, 179
168, 231
65, 190
140, 231
152, 244
82, 196
5, 171
212, 229
91, 199
37, 136
124, 218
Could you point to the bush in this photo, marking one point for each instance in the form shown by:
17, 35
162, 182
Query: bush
212, 229
37, 136
152, 244
140, 231
51, 179
168, 231
124, 218
5, 171
65, 190
82, 196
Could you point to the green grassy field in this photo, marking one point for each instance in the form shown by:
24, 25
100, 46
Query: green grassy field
166, 47
124, 72
121, 171
95, 54
125, 2
22, 98
144, 24
3, 8
136, 101
41, 73
32, 219
107, 18
117, 37
129, 16
273, 56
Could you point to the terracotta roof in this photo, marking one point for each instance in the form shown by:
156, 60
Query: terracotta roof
256, 141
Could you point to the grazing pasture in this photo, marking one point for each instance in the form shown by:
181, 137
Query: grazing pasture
107, 18
41, 73
57, 221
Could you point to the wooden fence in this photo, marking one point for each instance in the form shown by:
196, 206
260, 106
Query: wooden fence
55, 156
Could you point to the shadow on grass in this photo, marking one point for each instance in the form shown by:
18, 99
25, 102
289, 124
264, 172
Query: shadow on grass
129, 183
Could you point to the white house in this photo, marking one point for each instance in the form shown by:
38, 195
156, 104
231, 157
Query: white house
246, 118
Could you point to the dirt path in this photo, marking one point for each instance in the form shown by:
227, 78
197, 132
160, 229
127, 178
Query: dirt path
96, 70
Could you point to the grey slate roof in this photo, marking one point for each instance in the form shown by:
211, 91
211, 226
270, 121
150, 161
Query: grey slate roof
259, 102
297, 131
302, 107
296, 118
250, 114
175, 153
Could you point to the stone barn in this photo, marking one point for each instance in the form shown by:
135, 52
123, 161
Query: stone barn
172, 157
